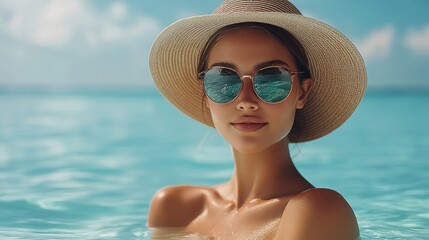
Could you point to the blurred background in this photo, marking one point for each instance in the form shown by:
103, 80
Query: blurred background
86, 139
104, 44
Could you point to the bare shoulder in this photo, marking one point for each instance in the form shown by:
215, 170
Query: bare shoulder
176, 206
318, 214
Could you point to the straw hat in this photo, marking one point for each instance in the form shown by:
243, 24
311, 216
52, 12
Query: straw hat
335, 64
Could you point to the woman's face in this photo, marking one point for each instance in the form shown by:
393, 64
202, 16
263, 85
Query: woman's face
247, 123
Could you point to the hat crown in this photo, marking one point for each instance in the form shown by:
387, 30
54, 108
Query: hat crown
234, 6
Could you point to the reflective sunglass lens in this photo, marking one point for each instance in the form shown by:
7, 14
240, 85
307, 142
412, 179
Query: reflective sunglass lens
221, 85
273, 84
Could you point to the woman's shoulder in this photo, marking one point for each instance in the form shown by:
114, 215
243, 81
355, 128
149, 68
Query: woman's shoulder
176, 206
318, 213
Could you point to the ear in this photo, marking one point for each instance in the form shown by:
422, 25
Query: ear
305, 88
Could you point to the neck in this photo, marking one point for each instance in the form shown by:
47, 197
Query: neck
265, 175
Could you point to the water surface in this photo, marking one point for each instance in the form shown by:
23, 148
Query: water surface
85, 165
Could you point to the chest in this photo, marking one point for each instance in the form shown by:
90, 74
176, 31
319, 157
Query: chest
222, 222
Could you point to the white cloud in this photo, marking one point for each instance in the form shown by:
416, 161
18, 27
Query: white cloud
418, 41
118, 10
54, 23
377, 44
112, 32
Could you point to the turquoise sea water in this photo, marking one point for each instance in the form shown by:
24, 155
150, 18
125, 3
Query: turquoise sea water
85, 165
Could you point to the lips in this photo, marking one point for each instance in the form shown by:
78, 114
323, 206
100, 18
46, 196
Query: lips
248, 124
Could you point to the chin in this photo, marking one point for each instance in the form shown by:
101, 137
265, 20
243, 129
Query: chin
250, 147
257, 145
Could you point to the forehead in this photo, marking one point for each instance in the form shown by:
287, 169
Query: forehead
247, 47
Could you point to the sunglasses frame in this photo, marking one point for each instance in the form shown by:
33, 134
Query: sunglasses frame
291, 73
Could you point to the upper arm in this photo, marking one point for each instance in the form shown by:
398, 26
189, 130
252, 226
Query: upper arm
175, 207
318, 214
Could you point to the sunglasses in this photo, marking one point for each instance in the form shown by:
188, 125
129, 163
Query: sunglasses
271, 84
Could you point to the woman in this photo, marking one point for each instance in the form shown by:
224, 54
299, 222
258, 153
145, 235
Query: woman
264, 76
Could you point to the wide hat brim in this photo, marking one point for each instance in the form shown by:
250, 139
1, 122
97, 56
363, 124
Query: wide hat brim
336, 67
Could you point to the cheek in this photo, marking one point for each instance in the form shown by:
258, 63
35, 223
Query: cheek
221, 116
288, 121
283, 115
217, 112
284, 121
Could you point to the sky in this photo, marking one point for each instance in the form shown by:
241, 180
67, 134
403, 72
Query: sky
104, 44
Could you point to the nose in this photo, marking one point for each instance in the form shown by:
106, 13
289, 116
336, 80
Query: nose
247, 99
